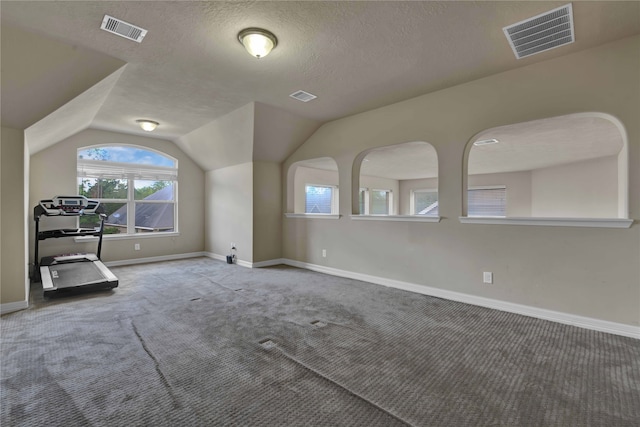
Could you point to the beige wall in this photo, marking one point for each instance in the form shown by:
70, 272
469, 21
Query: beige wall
223, 142
53, 172
12, 263
591, 272
267, 211
584, 189
229, 211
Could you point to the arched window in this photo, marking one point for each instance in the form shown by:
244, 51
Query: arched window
137, 186
315, 186
399, 180
572, 166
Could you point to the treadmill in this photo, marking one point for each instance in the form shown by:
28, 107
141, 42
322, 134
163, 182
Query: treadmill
64, 273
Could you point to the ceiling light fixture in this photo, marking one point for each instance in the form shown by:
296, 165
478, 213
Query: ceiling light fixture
147, 125
257, 41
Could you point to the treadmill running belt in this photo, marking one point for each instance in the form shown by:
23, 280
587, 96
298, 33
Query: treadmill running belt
75, 274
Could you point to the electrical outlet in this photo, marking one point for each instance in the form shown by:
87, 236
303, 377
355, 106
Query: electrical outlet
487, 277
136, 247
324, 253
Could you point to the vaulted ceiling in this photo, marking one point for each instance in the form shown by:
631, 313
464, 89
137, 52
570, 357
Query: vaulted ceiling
191, 70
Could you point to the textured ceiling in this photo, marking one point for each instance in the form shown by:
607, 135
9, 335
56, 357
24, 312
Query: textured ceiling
190, 68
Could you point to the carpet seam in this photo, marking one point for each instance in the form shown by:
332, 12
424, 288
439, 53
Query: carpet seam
351, 392
163, 379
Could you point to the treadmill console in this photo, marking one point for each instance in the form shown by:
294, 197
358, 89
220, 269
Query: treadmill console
69, 205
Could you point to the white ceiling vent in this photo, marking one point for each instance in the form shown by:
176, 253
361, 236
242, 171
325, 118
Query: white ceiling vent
542, 32
123, 29
303, 96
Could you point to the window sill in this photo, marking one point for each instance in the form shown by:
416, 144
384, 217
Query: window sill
397, 218
553, 222
312, 216
85, 239
140, 235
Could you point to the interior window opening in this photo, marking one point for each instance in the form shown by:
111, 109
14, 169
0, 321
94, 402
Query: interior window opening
572, 166
393, 179
313, 185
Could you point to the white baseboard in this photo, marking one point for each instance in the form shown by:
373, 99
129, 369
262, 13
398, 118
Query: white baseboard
243, 263
10, 307
154, 259
269, 263
216, 256
525, 310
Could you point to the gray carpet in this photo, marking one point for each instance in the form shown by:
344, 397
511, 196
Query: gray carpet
199, 343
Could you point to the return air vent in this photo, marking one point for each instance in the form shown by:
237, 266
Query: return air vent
542, 32
123, 29
303, 96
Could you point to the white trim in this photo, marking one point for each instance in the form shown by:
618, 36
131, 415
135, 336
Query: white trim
247, 264
215, 256
540, 313
140, 235
334, 196
412, 196
312, 216
239, 262
10, 307
268, 263
154, 259
560, 222
401, 218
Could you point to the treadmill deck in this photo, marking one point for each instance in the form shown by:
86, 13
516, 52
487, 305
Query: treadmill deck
75, 275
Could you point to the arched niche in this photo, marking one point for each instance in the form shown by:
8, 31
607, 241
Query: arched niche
572, 166
312, 187
399, 179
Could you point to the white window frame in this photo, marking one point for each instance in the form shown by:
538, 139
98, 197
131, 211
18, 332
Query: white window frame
412, 200
389, 202
334, 198
366, 201
100, 169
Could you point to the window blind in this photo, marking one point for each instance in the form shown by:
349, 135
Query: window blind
487, 202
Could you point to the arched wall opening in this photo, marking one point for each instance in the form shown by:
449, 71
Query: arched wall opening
400, 179
312, 187
572, 166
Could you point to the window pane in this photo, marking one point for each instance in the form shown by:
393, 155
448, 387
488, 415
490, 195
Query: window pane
362, 202
425, 203
116, 221
154, 217
487, 202
379, 202
153, 190
318, 199
126, 154
100, 188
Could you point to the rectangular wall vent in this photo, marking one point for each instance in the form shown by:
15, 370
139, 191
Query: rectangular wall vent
303, 96
123, 29
542, 32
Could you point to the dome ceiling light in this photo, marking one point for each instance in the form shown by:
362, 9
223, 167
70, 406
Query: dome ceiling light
147, 125
257, 41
